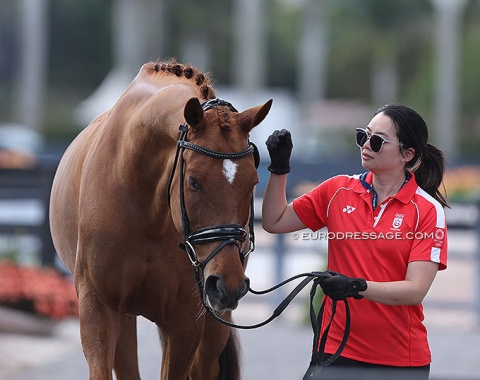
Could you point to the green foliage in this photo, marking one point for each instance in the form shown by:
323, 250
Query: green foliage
365, 31
210, 20
283, 24
9, 252
393, 14
470, 61
80, 45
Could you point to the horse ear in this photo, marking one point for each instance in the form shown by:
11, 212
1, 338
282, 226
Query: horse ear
253, 116
193, 112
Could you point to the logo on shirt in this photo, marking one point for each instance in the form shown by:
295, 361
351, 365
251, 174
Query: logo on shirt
438, 238
397, 221
349, 209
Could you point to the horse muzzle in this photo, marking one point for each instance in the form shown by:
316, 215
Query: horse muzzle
223, 286
219, 298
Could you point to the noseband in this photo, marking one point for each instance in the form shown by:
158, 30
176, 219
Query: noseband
225, 233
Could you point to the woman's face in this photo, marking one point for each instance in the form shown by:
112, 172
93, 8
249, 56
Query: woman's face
390, 156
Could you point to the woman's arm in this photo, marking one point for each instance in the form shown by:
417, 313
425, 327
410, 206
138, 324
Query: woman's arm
277, 215
411, 291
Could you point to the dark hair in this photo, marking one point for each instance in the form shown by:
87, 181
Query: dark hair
428, 163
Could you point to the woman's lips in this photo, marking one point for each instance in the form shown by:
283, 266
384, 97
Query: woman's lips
366, 156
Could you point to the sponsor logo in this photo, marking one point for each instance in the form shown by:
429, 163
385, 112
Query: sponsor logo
349, 209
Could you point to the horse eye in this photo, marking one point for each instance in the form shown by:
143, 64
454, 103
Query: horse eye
193, 184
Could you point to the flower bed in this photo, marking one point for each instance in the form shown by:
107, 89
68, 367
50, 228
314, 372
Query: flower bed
38, 290
462, 183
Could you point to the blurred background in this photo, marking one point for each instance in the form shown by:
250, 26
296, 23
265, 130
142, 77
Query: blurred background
328, 65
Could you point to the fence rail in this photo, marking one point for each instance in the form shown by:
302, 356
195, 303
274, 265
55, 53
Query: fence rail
33, 186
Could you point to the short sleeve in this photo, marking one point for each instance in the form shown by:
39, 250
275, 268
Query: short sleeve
430, 241
311, 207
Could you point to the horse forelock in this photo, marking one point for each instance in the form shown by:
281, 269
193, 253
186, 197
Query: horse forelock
220, 130
224, 119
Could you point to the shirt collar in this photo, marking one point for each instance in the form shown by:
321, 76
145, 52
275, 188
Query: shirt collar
405, 194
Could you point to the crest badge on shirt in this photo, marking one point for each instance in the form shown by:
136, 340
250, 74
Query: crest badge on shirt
397, 221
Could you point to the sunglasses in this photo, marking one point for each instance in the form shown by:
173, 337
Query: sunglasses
376, 141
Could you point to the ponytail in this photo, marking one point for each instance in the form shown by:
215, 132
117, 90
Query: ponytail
428, 163
429, 172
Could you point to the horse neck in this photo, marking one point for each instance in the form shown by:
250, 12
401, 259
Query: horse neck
152, 116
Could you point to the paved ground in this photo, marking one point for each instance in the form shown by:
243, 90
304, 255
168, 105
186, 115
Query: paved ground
280, 350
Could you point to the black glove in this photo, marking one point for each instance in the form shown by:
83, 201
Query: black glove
279, 145
339, 287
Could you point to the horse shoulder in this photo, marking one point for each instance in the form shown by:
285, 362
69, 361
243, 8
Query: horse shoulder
65, 195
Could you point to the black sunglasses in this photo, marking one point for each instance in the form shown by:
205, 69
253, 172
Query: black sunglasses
376, 141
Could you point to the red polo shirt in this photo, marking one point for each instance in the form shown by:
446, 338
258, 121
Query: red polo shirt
377, 245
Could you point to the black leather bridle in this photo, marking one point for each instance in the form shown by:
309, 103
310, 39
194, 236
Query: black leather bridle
224, 233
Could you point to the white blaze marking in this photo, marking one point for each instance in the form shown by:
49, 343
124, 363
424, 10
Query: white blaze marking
229, 170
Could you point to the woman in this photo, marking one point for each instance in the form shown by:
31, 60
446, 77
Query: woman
387, 240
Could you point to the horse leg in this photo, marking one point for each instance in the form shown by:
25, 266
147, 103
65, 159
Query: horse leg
217, 355
180, 340
100, 328
126, 359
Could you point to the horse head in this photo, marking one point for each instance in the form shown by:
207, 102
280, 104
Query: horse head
211, 195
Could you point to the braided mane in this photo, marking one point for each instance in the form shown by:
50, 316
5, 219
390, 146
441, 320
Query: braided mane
201, 80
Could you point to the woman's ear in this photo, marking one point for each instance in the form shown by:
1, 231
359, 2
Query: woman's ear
408, 154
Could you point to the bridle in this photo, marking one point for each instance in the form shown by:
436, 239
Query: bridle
224, 233
235, 234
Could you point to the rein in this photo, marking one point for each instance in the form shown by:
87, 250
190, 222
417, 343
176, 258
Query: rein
235, 234
315, 318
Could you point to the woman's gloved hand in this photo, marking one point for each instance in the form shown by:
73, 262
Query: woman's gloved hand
279, 145
339, 287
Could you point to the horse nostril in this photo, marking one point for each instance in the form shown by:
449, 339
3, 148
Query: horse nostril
214, 287
219, 297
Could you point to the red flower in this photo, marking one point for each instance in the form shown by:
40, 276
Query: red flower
41, 290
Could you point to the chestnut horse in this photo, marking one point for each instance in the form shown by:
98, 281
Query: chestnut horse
128, 190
